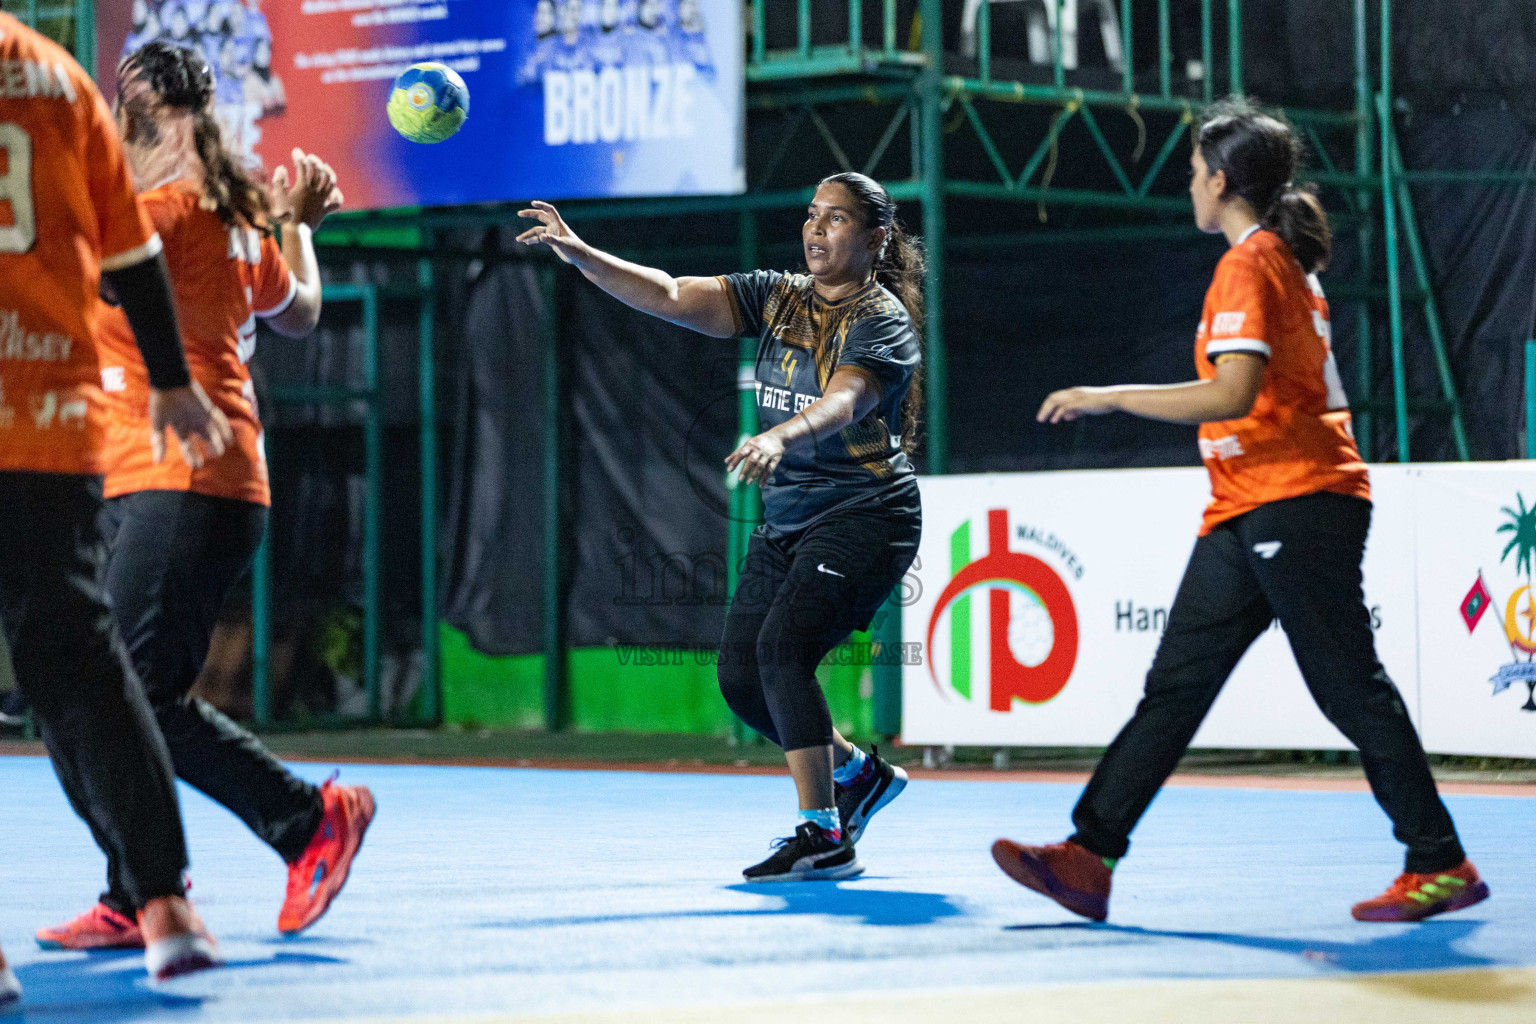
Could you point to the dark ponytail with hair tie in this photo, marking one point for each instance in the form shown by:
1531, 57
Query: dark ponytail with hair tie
899, 267
1297, 216
1260, 154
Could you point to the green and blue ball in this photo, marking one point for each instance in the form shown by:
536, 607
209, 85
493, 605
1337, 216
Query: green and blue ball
428, 103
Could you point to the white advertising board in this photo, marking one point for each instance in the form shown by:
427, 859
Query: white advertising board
1041, 599
1477, 608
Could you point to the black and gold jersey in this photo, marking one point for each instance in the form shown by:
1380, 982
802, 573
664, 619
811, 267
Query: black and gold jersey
802, 341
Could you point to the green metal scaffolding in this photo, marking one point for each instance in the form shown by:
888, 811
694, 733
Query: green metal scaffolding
907, 81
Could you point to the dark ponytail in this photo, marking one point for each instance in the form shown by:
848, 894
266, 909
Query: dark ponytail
182, 80
1260, 154
236, 198
900, 268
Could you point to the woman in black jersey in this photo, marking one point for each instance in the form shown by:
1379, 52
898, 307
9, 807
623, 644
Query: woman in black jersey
838, 392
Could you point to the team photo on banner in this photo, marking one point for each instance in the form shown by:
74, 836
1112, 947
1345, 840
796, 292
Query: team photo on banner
572, 98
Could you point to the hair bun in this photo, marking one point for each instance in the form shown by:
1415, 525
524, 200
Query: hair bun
179, 76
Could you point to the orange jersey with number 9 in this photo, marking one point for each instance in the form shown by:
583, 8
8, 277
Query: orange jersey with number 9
67, 212
1297, 439
223, 278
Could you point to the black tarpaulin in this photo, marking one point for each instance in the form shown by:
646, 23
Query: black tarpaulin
493, 565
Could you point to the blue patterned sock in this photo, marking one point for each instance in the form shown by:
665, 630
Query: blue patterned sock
851, 769
827, 820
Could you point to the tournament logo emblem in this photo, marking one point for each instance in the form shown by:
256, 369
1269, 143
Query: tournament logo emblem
1030, 632
1519, 618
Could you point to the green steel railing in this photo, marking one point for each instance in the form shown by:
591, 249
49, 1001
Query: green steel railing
72, 24
807, 58
426, 361
1389, 218
1403, 197
1364, 233
556, 688
373, 441
1530, 399
929, 146
745, 503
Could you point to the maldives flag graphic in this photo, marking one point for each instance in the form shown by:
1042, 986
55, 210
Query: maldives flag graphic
1475, 603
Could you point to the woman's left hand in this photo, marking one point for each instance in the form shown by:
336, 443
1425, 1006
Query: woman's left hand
757, 457
307, 198
1072, 403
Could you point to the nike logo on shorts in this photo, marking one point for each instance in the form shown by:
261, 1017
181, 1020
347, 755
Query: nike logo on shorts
1267, 550
830, 572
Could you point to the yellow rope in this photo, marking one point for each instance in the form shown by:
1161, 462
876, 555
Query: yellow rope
1050, 163
1134, 109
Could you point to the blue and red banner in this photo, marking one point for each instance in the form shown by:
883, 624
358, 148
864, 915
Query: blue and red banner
569, 98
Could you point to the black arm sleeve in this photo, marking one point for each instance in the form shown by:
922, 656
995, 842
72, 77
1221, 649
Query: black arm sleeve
144, 292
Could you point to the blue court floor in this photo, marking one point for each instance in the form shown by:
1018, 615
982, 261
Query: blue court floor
487, 891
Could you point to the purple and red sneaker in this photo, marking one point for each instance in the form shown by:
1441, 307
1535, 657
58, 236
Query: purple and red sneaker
1413, 897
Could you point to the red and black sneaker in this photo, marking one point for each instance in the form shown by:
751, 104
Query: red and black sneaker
101, 927
1073, 876
316, 878
1413, 897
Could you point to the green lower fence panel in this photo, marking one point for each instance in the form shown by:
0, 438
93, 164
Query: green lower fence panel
489, 692
641, 689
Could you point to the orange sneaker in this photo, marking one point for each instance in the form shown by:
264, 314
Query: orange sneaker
316, 878
101, 927
1413, 897
1071, 875
175, 941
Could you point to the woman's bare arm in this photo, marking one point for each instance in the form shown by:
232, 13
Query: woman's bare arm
1229, 396
698, 303
847, 398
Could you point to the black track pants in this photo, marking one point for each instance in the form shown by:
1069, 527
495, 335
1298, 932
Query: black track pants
795, 602
71, 667
1297, 560
174, 557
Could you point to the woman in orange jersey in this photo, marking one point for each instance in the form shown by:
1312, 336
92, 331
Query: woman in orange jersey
181, 535
71, 222
1282, 538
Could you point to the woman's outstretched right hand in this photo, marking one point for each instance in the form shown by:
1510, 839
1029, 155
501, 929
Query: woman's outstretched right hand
553, 231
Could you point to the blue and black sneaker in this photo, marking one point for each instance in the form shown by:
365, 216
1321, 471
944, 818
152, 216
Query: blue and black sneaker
879, 784
809, 855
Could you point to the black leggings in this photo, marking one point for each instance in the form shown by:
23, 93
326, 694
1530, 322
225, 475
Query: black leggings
1298, 560
71, 668
798, 599
174, 557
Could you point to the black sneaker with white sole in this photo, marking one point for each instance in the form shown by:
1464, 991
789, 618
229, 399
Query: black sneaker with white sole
808, 855
857, 802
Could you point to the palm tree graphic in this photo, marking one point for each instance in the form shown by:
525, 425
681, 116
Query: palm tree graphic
1522, 525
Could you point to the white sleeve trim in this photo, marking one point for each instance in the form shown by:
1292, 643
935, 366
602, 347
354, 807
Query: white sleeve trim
138, 254
282, 307
1226, 345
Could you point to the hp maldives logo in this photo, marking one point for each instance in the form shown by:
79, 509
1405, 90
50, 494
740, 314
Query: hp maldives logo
1520, 610
1028, 632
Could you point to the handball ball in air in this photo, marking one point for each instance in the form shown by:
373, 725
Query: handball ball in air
428, 103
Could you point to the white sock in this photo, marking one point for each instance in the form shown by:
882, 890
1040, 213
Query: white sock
849, 769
